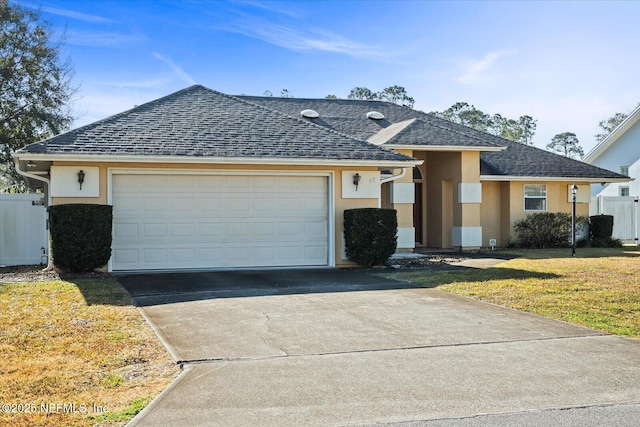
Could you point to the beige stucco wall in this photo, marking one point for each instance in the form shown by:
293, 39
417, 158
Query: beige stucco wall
503, 205
491, 213
404, 210
339, 203
443, 172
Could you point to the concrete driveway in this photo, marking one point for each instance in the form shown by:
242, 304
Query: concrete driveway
341, 347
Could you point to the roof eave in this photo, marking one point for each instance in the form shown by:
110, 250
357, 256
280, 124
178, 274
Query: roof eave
93, 158
594, 180
442, 148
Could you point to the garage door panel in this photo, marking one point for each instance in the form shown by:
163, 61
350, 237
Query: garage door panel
209, 221
154, 231
264, 230
210, 229
237, 203
290, 228
153, 204
315, 252
126, 257
125, 231
266, 205
317, 229
127, 203
184, 205
154, 256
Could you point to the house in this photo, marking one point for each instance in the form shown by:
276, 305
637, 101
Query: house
620, 151
199, 179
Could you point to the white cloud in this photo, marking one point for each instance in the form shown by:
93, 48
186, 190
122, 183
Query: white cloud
103, 39
93, 19
96, 104
278, 9
179, 72
477, 71
308, 40
85, 17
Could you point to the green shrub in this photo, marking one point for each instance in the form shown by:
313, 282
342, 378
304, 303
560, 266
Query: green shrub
370, 235
546, 230
80, 236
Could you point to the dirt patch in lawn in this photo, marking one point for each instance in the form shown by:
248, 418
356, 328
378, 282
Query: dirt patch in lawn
75, 351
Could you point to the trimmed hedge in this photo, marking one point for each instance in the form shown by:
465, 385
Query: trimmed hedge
370, 235
80, 236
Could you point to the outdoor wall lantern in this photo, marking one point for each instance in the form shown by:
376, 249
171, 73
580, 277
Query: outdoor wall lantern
356, 180
81, 178
574, 193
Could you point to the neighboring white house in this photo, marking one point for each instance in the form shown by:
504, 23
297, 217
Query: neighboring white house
620, 152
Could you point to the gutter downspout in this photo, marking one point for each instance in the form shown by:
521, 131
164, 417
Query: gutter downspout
390, 179
47, 181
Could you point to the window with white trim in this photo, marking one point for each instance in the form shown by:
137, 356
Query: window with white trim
624, 170
535, 197
624, 191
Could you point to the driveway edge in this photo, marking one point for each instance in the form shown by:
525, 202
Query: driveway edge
159, 398
161, 336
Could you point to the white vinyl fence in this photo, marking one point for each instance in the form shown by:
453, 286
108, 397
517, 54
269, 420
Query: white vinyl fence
23, 229
626, 216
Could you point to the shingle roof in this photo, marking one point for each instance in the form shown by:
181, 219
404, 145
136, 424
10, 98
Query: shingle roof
523, 160
516, 160
350, 116
200, 122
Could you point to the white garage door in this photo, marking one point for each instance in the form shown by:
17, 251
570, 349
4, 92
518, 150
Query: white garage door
213, 221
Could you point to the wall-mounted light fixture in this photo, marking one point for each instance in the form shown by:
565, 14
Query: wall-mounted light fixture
81, 178
356, 180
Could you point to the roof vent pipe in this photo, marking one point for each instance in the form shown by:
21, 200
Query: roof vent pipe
375, 115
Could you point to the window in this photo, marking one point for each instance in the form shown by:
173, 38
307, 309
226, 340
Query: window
624, 170
535, 197
624, 191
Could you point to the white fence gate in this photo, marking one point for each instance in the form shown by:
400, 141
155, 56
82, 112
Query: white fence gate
626, 216
23, 229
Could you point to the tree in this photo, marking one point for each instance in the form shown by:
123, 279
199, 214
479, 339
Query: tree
363, 93
35, 84
566, 144
467, 115
330, 96
610, 124
521, 130
397, 95
394, 94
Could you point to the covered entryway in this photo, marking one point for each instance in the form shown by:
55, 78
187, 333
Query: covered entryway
169, 221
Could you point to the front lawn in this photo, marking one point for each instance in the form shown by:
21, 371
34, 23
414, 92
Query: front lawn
599, 288
76, 352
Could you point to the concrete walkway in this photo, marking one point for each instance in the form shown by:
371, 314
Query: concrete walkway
335, 347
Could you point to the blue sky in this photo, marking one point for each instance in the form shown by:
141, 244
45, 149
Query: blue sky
567, 64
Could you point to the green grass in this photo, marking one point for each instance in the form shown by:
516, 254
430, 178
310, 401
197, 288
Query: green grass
599, 288
135, 406
77, 342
